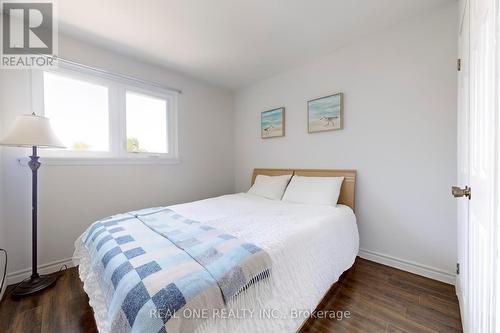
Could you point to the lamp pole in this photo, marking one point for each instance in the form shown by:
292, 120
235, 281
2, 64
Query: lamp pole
34, 165
36, 282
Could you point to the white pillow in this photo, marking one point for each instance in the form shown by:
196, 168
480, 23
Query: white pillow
271, 187
314, 190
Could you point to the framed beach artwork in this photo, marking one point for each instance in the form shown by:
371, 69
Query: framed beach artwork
325, 113
272, 123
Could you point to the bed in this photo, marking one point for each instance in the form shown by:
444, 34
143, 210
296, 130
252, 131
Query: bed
309, 247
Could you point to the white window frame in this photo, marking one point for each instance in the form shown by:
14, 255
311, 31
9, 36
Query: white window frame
117, 87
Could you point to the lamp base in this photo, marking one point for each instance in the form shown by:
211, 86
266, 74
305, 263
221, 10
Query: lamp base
35, 284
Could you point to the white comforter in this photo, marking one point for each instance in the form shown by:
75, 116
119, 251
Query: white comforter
310, 247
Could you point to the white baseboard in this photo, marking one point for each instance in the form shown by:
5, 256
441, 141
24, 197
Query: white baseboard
51, 267
409, 266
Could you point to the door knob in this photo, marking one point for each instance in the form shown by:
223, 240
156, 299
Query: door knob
461, 192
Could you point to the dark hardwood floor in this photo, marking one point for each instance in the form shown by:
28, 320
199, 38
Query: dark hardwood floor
385, 299
378, 298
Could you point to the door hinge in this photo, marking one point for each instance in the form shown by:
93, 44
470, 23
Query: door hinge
459, 64
458, 268
458, 192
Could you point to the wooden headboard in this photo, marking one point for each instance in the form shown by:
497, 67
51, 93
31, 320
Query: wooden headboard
347, 190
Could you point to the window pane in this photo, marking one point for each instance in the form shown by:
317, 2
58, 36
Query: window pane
78, 111
146, 124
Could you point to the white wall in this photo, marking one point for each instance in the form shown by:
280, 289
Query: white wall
400, 134
71, 197
2, 220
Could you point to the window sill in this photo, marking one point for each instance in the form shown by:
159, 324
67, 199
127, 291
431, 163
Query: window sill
96, 161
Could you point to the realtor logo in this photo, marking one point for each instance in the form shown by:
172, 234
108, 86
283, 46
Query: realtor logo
28, 34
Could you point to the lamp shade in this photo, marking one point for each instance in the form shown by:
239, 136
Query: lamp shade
31, 130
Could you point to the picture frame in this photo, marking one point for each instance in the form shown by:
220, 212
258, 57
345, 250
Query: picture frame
272, 123
325, 113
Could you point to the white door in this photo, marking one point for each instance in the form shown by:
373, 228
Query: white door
463, 151
478, 147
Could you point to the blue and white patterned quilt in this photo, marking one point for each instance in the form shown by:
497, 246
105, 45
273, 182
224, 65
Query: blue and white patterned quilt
154, 264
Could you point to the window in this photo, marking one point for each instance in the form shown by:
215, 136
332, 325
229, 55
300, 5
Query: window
102, 118
78, 111
146, 124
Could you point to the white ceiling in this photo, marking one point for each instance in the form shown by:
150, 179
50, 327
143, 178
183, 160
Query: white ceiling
231, 43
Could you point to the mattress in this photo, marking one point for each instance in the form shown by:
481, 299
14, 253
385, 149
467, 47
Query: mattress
310, 247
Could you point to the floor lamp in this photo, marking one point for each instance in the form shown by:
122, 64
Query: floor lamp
35, 132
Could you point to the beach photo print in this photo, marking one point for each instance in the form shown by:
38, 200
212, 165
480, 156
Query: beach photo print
272, 123
325, 113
